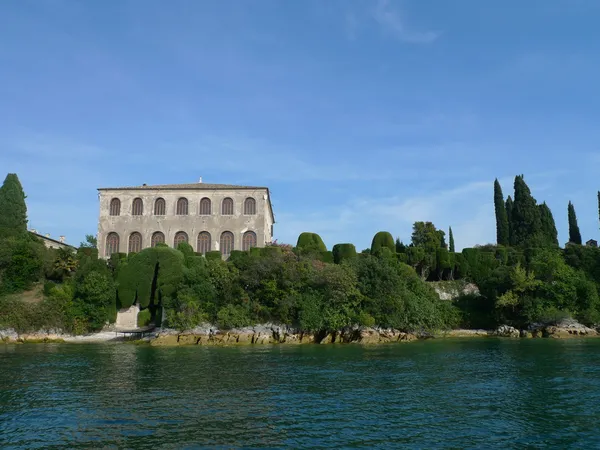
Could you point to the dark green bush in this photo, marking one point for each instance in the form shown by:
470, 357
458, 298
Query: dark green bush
213, 255
383, 239
310, 242
144, 317
343, 252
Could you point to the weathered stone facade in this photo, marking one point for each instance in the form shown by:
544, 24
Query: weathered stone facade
125, 217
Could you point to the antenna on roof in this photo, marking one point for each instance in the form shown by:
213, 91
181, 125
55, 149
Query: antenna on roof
200, 180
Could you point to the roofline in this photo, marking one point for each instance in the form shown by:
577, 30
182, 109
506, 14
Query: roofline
151, 188
199, 188
41, 236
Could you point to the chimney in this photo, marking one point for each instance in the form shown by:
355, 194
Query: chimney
61, 239
33, 230
47, 235
200, 180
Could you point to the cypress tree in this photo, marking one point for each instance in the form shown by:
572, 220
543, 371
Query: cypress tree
574, 234
451, 240
502, 229
549, 233
509, 210
598, 205
525, 216
13, 211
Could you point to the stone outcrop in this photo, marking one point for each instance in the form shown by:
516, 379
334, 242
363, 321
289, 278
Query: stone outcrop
568, 328
507, 331
276, 334
450, 290
466, 333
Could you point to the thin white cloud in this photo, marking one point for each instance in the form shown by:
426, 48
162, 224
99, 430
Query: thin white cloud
392, 21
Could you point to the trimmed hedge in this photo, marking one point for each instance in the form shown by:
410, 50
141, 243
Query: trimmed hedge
383, 239
343, 252
214, 255
308, 242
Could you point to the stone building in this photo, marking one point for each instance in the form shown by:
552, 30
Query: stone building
52, 243
208, 216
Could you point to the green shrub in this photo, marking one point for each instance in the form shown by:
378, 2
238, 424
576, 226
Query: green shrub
143, 318
327, 257
343, 252
383, 239
213, 255
310, 242
233, 316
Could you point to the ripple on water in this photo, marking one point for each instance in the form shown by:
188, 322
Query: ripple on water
436, 394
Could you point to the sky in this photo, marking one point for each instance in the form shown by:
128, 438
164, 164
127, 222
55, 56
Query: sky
359, 115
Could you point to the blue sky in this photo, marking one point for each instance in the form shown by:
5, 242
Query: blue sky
359, 115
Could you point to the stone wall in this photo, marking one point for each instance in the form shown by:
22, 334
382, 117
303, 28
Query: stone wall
192, 224
127, 318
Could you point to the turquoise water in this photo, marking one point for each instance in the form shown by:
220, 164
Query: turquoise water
472, 393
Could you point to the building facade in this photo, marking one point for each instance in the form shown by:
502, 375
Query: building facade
210, 217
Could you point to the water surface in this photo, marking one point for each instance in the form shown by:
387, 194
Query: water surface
470, 393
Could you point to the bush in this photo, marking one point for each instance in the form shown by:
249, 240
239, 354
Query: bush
343, 252
383, 239
310, 242
143, 318
233, 316
213, 255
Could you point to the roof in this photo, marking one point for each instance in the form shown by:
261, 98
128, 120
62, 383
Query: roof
47, 238
199, 186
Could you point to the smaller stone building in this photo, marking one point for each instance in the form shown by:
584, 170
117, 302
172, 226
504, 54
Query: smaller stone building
52, 243
210, 217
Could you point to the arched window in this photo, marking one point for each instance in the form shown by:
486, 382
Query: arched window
135, 242
115, 207
157, 238
249, 240
227, 207
250, 206
180, 237
137, 208
182, 207
205, 207
112, 244
226, 243
204, 242
159, 207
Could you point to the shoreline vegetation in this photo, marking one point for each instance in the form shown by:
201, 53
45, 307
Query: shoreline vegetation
525, 285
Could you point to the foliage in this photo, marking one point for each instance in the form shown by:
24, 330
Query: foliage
451, 241
22, 260
13, 217
144, 318
310, 242
574, 234
549, 233
526, 221
509, 215
343, 252
382, 239
502, 230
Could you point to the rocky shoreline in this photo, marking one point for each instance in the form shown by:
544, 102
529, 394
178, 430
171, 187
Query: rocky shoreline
276, 334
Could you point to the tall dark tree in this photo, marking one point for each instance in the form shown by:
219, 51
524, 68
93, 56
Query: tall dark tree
509, 209
574, 234
502, 230
599, 205
526, 221
549, 233
13, 211
400, 247
451, 240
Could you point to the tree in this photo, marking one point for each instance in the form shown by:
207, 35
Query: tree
400, 247
502, 228
427, 236
90, 242
525, 216
549, 233
13, 216
574, 234
599, 205
509, 210
383, 239
451, 240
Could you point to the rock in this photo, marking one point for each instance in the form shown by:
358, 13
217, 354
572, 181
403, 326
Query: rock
8, 335
369, 336
507, 331
466, 333
165, 340
188, 339
568, 330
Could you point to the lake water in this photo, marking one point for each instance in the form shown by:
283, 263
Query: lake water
471, 393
